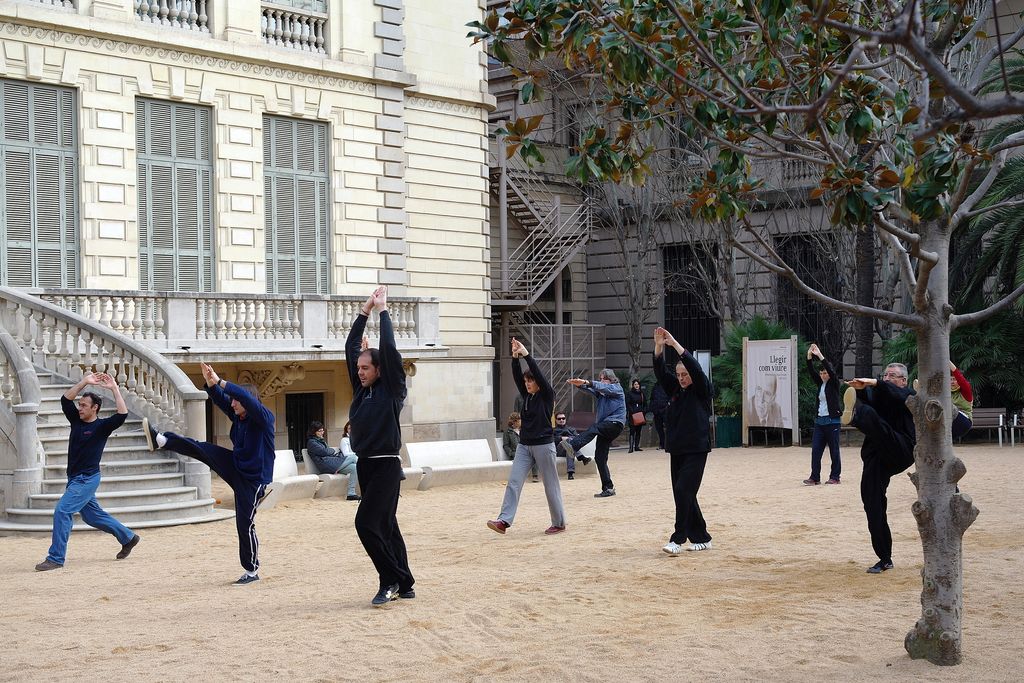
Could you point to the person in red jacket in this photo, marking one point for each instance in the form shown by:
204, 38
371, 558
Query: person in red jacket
963, 401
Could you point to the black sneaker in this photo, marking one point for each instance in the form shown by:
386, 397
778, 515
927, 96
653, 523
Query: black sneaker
607, 493
150, 433
353, 497
385, 595
408, 594
584, 459
571, 476
246, 579
880, 567
126, 549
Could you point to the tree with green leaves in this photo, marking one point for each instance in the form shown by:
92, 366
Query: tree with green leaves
885, 99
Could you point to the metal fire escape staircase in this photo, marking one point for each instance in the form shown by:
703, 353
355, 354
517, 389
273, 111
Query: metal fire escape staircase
553, 232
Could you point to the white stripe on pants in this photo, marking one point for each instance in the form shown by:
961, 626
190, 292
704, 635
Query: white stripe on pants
526, 456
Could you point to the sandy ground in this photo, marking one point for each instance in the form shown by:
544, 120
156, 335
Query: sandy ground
783, 594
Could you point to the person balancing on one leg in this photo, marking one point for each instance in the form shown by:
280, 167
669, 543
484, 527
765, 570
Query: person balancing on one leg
378, 394
611, 418
89, 435
878, 409
247, 468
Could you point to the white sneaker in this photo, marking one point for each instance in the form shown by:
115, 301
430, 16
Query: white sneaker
672, 548
699, 546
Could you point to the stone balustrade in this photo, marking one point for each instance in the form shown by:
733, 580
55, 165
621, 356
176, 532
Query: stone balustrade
63, 4
170, 321
295, 24
21, 465
58, 339
190, 15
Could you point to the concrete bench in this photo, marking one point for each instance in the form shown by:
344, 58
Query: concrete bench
587, 450
335, 485
287, 483
445, 463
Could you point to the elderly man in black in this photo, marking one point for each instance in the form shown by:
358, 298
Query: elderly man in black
877, 407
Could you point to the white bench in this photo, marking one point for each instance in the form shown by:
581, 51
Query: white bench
287, 483
560, 463
445, 463
336, 485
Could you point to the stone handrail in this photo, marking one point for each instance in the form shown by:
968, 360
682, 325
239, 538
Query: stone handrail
268, 322
69, 344
62, 4
19, 409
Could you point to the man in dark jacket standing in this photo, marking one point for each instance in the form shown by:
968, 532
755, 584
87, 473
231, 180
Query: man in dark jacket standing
378, 394
878, 409
826, 421
247, 468
688, 439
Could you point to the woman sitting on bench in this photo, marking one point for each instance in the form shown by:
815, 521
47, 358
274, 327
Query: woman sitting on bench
963, 400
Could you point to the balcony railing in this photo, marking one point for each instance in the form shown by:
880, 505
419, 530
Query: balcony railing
223, 322
190, 15
296, 24
62, 4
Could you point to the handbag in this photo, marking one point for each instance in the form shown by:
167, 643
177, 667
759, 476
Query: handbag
638, 419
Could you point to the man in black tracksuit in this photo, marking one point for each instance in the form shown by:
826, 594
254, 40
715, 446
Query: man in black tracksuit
687, 439
878, 409
378, 394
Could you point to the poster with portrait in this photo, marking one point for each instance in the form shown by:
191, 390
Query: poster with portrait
769, 385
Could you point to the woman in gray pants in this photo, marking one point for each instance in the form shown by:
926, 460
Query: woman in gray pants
536, 444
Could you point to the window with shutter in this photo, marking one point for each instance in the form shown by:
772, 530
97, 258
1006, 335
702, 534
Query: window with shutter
39, 181
297, 209
175, 172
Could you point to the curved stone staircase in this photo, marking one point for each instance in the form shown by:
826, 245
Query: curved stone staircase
139, 487
43, 349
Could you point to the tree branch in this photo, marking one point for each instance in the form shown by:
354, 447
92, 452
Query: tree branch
962, 319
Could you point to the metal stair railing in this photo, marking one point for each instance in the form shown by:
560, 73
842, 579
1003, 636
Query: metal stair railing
546, 250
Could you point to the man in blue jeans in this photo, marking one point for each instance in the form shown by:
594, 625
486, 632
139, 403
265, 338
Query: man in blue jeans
611, 418
247, 468
88, 437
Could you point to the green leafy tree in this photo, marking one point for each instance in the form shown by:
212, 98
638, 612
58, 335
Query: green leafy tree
884, 99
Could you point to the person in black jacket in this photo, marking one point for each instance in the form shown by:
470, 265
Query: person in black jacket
688, 439
658, 405
826, 421
378, 394
536, 444
636, 402
877, 407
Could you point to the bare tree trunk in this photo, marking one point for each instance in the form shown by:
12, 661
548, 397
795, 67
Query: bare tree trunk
942, 514
863, 326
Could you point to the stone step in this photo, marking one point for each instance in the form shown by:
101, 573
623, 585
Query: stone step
60, 457
137, 517
124, 482
114, 468
52, 442
123, 499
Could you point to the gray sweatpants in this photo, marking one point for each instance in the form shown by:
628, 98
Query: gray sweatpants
544, 457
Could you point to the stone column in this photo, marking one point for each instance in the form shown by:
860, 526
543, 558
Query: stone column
28, 476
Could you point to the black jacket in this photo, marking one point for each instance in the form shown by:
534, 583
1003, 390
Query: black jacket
375, 409
890, 402
687, 426
659, 400
636, 402
318, 449
537, 408
835, 409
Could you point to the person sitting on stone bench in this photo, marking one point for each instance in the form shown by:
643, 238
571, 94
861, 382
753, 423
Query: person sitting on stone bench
330, 460
562, 429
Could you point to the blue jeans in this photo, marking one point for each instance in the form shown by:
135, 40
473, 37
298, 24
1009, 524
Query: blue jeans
80, 496
826, 431
341, 464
